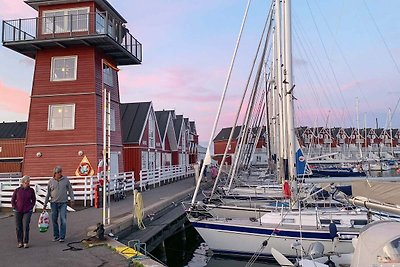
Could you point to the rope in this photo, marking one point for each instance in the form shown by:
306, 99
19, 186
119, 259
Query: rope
139, 212
257, 254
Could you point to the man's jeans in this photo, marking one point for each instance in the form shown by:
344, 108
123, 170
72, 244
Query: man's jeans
22, 221
59, 210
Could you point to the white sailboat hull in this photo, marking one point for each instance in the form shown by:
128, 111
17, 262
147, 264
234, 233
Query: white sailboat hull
246, 239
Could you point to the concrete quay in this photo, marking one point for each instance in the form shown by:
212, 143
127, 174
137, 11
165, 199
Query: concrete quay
43, 252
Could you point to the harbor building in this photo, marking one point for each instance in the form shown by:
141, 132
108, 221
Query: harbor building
77, 47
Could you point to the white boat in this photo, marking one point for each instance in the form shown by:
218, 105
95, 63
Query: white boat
377, 245
280, 230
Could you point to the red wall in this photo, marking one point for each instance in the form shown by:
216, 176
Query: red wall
61, 147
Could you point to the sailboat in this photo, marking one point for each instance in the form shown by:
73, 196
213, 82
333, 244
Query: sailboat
284, 228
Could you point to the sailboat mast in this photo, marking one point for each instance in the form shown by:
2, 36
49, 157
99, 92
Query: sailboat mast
282, 134
288, 89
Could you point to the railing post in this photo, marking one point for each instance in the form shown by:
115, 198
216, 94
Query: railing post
19, 29
85, 193
3, 32
70, 24
141, 181
37, 26
91, 191
106, 23
54, 25
1, 188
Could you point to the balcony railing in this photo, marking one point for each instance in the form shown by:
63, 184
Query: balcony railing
77, 25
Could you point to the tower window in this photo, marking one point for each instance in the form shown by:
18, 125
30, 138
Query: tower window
112, 120
108, 75
65, 20
64, 68
61, 117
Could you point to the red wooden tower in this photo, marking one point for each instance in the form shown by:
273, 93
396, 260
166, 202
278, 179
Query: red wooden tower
77, 46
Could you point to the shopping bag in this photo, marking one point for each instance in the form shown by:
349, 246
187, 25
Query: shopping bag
43, 222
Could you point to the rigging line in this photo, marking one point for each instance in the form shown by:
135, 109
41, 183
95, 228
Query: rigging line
268, 19
327, 93
222, 100
310, 80
329, 62
343, 57
382, 37
387, 48
243, 129
315, 68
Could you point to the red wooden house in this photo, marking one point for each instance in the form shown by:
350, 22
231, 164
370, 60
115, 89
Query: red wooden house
193, 143
12, 144
181, 156
141, 137
77, 47
167, 135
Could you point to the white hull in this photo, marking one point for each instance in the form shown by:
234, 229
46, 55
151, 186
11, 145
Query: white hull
245, 243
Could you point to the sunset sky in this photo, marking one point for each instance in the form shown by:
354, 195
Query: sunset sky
346, 54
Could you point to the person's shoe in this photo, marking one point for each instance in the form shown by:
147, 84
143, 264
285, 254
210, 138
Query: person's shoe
20, 245
61, 240
26, 245
55, 239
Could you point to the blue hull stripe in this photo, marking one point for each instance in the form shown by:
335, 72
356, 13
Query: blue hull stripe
267, 231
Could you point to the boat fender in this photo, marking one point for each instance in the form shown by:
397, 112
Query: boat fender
329, 262
332, 230
265, 243
316, 250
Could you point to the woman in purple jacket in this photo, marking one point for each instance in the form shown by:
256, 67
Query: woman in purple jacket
23, 201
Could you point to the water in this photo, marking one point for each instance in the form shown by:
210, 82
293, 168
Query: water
187, 249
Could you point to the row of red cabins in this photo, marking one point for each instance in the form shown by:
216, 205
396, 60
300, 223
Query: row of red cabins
337, 136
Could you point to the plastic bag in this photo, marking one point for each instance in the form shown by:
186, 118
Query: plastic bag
43, 222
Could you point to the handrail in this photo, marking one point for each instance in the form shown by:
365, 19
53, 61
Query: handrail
92, 23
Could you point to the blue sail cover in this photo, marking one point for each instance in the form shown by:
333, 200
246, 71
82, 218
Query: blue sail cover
302, 167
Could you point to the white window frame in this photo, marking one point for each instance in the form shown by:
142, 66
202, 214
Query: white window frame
52, 108
158, 160
112, 119
52, 71
65, 20
152, 160
145, 160
152, 130
108, 75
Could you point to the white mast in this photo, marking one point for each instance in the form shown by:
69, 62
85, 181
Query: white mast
280, 99
288, 92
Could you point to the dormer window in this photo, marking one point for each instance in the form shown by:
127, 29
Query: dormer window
65, 20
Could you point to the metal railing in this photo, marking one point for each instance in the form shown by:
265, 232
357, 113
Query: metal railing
73, 25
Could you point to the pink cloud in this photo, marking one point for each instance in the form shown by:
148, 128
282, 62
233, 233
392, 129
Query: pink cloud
14, 100
16, 9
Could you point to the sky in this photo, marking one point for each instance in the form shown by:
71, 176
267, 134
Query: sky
346, 58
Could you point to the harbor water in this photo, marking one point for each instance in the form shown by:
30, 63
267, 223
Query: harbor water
187, 249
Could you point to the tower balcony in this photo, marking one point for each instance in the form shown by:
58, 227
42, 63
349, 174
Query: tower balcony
27, 36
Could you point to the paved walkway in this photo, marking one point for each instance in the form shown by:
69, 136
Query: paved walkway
43, 252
